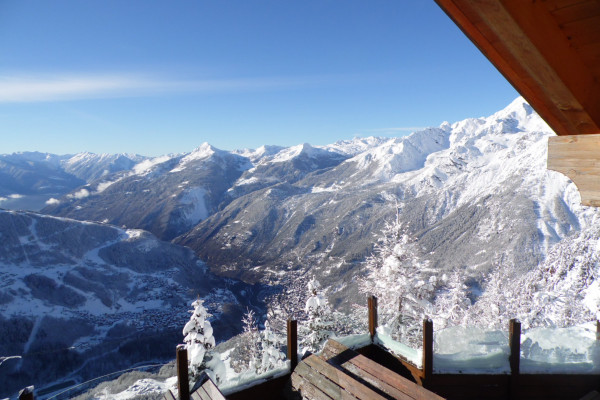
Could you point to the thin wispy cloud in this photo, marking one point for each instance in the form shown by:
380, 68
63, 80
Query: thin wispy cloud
23, 89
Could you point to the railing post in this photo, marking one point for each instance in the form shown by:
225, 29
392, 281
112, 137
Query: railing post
292, 343
183, 383
372, 305
514, 340
514, 337
597, 329
427, 349
26, 394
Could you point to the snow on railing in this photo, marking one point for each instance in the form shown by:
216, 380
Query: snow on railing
461, 349
573, 349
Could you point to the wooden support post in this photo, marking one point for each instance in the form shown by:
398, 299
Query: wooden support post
292, 343
26, 394
183, 383
597, 329
427, 349
514, 338
514, 341
372, 305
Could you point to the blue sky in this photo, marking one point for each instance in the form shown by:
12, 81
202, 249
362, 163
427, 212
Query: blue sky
156, 77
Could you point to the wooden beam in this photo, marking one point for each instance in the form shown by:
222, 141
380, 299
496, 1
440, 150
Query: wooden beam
292, 343
522, 39
427, 349
578, 157
514, 341
183, 384
372, 305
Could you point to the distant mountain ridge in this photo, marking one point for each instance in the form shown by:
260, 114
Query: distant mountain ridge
475, 193
28, 180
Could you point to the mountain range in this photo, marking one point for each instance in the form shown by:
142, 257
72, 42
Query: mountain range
474, 194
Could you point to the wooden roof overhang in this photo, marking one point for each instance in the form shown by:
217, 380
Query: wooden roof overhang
549, 50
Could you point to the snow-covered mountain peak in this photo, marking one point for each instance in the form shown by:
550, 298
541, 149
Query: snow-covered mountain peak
301, 150
399, 155
255, 155
357, 145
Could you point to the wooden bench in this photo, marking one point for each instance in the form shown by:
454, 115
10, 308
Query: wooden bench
341, 373
205, 389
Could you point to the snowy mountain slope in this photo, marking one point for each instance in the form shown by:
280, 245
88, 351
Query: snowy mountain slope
80, 299
29, 179
166, 195
91, 167
474, 193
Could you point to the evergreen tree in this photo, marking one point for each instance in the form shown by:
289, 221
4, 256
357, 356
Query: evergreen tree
402, 283
320, 321
272, 357
452, 304
198, 335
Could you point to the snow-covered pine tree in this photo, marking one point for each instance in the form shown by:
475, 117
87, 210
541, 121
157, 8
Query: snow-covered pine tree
198, 335
251, 346
402, 283
452, 303
320, 321
272, 357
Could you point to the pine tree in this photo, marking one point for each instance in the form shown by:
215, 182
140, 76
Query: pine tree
320, 321
198, 335
452, 304
402, 283
251, 352
272, 357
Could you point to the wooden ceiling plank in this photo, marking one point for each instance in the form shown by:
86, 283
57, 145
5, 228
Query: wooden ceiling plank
522, 40
468, 20
559, 4
551, 60
583, 32
577, 12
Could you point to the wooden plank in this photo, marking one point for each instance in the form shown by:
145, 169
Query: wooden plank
390, 378
578, 157
351, 385
375, 382
559, 4
198, 395
332, 348
306, 389
583, 32
577, 12
330, 387
169, 395
212, 390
